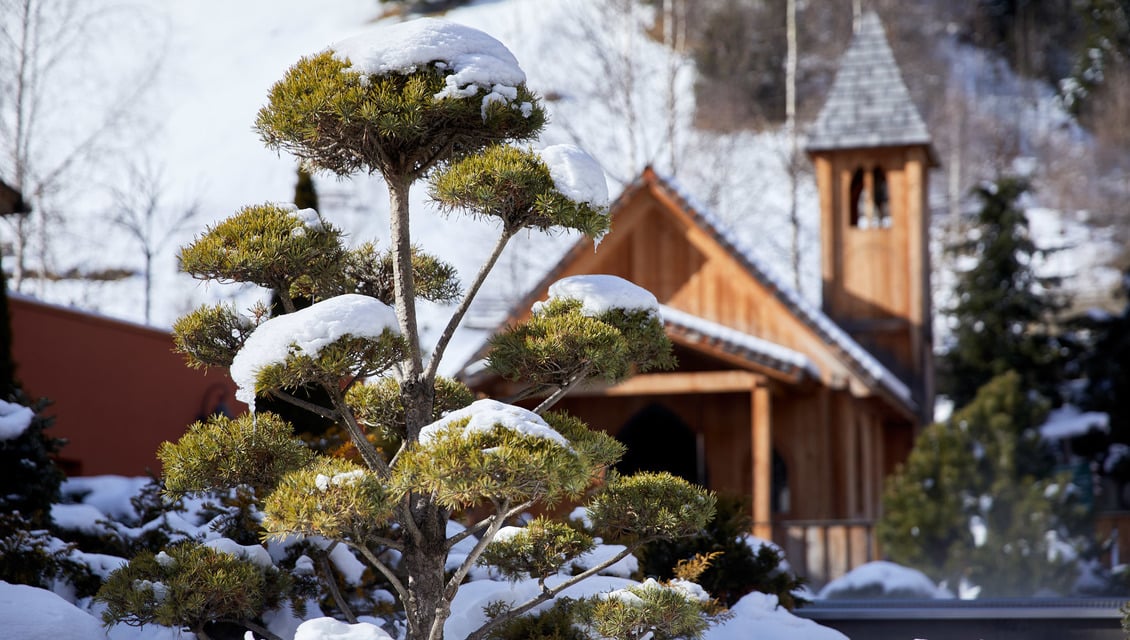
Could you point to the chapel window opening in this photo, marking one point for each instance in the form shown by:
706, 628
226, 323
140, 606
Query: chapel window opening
869, 199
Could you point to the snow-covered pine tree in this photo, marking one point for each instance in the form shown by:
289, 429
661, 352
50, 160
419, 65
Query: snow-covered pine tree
1004, 311
435, 100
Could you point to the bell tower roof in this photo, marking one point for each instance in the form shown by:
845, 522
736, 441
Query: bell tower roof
868, 105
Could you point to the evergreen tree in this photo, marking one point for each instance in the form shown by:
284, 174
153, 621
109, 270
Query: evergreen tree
962, 506
1003, 312
435, 100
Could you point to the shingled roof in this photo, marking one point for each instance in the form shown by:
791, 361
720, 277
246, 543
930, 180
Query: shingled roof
869, 105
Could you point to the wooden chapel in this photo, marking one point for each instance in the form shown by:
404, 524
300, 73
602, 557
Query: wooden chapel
800, 410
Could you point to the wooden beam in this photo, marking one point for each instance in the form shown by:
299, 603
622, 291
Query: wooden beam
649, 384
762, 441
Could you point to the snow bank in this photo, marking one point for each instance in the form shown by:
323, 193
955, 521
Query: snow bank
306, 332
576, 174
757, 615
600, 294
487, 414
330, 629
477, 60
109, 494
14, 420
29, 613
885, 578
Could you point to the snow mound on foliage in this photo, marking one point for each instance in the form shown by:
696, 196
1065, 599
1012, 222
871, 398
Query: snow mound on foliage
306, 332
477, 60
883, 578
14, 420
576, 174
30, 613
600, 293
484, 415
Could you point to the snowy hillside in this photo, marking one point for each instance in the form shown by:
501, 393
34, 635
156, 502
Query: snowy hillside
223, 57
608, 86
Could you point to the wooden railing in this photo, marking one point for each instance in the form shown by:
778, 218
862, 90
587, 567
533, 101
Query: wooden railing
1113, 528
823, 550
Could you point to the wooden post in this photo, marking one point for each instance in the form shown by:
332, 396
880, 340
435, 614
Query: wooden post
762, 443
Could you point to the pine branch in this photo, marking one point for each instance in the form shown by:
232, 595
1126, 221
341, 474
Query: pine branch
497, 520
259, 629
549, 593
305, 404
392, 578
368, 452
561, 391
404, 285
331, 584
472, 291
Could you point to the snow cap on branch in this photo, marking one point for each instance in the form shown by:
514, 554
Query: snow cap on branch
14, 420
599, 294
307, 331
576, 174
484, 415
477, 60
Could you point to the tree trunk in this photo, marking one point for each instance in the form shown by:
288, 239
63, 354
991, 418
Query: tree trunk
424, 557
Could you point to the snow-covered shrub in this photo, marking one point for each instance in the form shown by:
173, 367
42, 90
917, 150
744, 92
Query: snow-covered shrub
741, 566
193, 586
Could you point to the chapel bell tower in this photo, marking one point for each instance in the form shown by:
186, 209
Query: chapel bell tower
872, 155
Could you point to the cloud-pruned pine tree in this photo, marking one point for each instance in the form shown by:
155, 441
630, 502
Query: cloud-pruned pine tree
432, 100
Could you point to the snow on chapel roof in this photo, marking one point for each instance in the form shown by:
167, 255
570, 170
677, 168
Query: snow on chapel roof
869, 105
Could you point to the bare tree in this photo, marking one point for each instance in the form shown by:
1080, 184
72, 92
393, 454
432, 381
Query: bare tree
141, 211
70, 89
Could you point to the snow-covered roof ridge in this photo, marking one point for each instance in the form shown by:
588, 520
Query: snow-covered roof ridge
757, 349
817, 320
869, 104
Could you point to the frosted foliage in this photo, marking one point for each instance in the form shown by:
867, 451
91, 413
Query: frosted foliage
477, 60
330, 629
576, 174
485, 415
306, 332
309, 219
256, 554
599, 294
14, 420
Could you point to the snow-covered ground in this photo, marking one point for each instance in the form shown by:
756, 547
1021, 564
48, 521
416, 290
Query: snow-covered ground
29, 613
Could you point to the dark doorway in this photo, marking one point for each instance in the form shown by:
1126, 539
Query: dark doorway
658, 440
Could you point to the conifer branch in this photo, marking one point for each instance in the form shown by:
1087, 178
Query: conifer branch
465, 304
384, 569
404, 285
368, 452
495, 523
561, 391
331, 585
305, 404
259, 629
549, 593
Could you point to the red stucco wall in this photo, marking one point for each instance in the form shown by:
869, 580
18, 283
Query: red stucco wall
118, 390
